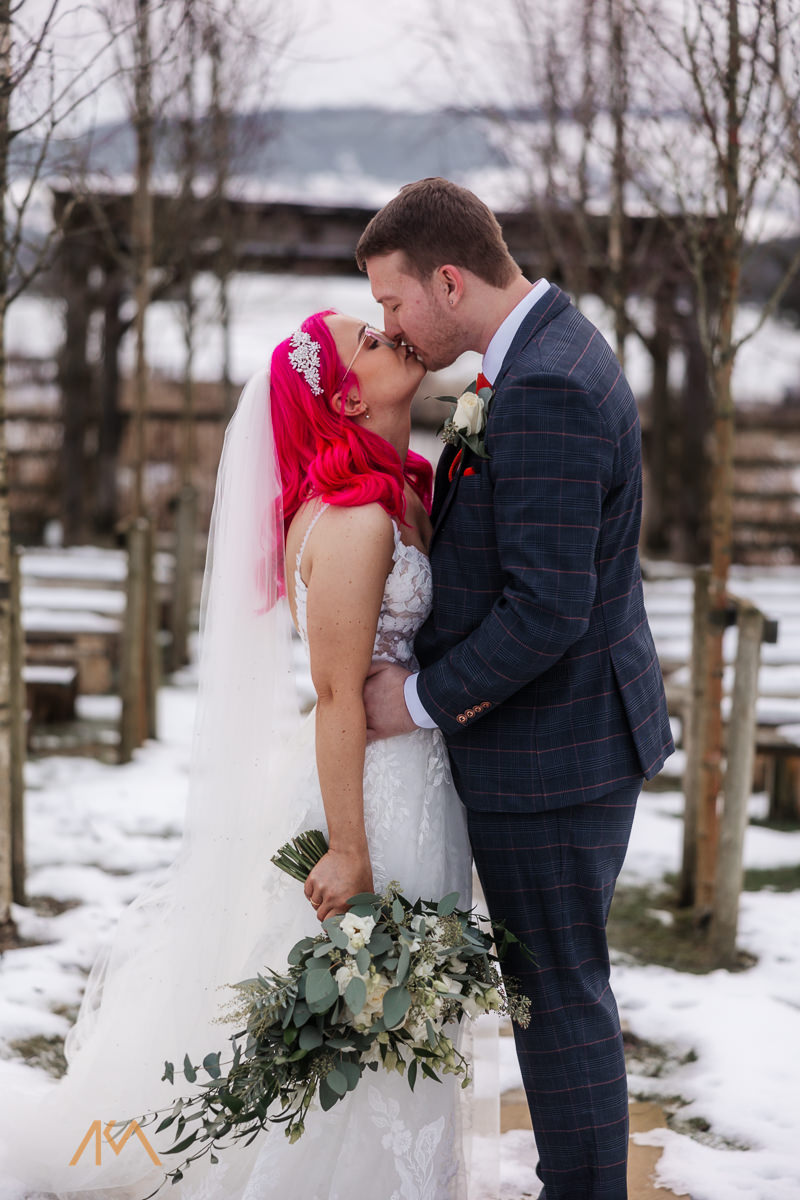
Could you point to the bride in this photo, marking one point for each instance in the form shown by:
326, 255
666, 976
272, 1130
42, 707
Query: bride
316, 454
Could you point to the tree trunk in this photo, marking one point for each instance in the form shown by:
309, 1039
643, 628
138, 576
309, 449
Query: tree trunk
221, 142
619, 173
142, 236
75, 383
659, 508
106, 505
18, 735
6, 689
722, 478
694, 739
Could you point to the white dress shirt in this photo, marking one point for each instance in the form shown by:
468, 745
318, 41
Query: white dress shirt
496, 352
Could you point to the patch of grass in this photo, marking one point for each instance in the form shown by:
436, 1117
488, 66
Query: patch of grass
42, 1051
781, 825
773, 879
649, 926
48, 906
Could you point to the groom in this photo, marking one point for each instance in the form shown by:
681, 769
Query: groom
537, 660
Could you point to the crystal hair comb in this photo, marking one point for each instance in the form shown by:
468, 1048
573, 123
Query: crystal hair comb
305, 359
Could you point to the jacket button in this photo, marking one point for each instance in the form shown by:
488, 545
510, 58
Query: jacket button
462, 720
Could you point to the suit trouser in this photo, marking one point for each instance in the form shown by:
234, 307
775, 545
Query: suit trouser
550, 876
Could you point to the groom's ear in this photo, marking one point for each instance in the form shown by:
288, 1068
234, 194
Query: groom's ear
448, 284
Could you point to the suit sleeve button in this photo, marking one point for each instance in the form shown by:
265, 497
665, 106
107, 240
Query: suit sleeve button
461, 718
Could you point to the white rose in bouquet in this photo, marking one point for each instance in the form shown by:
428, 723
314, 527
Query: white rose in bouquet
357, 930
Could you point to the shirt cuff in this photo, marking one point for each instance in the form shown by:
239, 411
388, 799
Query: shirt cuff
416, 709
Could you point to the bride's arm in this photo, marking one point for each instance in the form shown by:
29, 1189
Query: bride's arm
349, 556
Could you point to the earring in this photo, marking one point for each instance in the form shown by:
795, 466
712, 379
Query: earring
366, 414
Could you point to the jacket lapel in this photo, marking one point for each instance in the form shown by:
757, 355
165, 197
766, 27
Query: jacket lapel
448, 488
551, 303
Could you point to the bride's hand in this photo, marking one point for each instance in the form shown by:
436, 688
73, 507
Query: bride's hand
338, 875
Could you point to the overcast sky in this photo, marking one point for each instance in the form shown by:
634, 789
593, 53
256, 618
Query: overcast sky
362, 52
340, 52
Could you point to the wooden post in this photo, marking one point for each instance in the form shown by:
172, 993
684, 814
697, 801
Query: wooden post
784, 791
737, 786
152, 665
18, 740
133, 725
186, 519
694, 737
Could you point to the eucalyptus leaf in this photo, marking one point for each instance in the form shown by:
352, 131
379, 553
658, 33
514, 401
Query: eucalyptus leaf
321, 991
335, 933
379, 943
352, 1072
310, 1037
298, 950
403, 965
395, 1006
337, 1081
184, 1145
363, 959
398, 912
447, 904
327, 1096
211, 1064
188, 1070
356, 995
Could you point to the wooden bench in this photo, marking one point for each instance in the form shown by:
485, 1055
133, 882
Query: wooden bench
777, 766
50, 693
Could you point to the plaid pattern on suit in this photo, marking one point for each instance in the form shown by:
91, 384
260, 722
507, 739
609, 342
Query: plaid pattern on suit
539, 666
538, 661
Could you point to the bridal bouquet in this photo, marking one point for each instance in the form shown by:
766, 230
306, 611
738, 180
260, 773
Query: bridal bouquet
380, 987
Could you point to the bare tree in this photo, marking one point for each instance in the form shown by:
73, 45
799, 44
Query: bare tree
38, 101
720, 164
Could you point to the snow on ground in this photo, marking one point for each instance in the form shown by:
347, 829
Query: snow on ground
734, 1036
97, 834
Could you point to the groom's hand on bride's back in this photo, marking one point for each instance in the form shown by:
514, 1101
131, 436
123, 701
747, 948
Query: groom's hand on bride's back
384, 702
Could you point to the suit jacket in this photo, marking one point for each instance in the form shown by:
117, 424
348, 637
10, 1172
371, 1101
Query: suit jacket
537, 660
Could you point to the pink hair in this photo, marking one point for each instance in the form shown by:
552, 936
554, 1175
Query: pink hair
323, 453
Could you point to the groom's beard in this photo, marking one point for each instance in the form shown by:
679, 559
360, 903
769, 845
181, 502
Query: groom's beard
442, 338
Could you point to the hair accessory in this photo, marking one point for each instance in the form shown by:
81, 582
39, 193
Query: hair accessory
305, 359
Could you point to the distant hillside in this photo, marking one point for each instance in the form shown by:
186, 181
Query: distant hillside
291, 146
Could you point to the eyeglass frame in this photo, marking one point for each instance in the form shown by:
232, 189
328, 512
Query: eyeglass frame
369, 331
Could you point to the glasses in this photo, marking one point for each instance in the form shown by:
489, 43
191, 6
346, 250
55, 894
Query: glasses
370, 334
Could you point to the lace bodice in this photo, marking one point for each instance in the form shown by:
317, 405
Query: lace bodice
407, 598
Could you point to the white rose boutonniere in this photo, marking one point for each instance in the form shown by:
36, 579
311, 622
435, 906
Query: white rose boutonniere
466, 424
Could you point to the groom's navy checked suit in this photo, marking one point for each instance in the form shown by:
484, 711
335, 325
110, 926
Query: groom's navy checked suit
540, 669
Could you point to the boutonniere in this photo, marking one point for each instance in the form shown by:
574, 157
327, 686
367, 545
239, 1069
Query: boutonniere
467, 422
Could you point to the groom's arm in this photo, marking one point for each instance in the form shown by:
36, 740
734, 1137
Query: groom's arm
551, 461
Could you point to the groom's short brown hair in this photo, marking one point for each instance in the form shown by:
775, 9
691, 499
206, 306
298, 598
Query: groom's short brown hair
434, 222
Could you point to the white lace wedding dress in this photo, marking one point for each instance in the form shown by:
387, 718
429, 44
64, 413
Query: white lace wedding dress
382, 1142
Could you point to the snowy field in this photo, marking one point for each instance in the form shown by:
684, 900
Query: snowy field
265, 309
97, 834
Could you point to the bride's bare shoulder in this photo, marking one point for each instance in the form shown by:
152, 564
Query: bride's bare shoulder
340, 533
